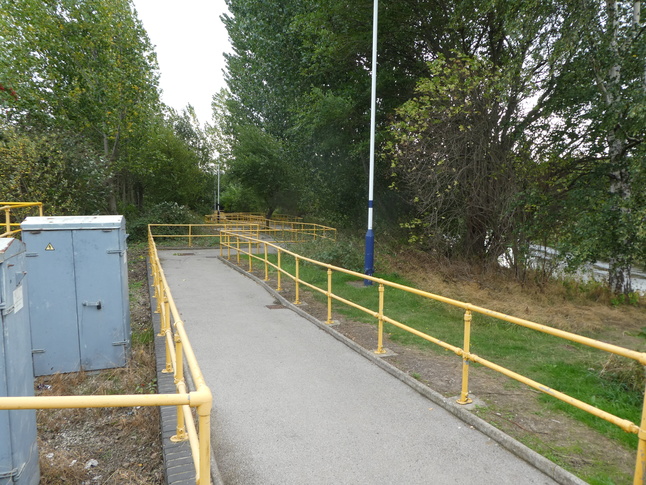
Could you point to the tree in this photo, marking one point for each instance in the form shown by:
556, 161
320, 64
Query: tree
599, 126
257, 163
450, 152
56, 167
458, 148
83, 66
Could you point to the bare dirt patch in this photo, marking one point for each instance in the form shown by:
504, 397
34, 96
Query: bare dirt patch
111, 446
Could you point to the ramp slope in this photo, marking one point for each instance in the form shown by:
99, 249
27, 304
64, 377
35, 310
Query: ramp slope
293, 405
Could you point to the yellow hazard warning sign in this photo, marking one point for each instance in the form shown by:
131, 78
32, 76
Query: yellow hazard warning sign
49, 247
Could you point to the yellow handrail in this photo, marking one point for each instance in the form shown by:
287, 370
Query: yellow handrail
178, 353
278, 232
7, 207
232, 242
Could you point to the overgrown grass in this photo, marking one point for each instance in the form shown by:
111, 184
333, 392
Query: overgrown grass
571, 368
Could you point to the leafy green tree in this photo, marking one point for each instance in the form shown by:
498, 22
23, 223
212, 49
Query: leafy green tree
450, 152
509, 122
595, 149
174, 165
56, 167
85, 66
458, 148
258, 163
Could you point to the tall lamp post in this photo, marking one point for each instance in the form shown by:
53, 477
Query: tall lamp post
217, 203
216, 195
370, 235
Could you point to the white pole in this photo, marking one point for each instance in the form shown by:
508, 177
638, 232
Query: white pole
370, 236
218, 199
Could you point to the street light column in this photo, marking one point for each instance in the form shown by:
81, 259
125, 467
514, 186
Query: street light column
370, 235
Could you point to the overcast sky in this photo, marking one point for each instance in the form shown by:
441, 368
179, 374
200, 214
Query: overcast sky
189, 39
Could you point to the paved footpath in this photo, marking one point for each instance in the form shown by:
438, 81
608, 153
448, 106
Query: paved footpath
294, 405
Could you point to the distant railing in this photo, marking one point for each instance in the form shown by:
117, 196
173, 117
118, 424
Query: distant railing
192, 234
256, 217
249, 249
208, 235
7, 207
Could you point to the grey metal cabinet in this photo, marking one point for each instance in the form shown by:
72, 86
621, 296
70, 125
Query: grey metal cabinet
80, 318
18, 448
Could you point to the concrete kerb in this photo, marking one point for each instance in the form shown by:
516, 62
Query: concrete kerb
548, 467
179, 468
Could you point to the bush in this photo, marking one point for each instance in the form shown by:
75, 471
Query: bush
344, 254
162, 213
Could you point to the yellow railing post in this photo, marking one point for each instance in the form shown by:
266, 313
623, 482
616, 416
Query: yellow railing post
169, 359
297, 300
238, 250
464, 395
166, 320
640, 465
329, 297
180, 430
380, 317
164, 314
278, 288
181, 434
179, 360
266, 264
7, 219
190, 235
250, 255
155, 284
229, 247
204, 423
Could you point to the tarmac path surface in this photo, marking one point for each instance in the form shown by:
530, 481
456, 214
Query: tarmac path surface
294, 405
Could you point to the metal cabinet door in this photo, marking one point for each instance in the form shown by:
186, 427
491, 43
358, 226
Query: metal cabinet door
6, 459
99, 298
54, 322
18, 449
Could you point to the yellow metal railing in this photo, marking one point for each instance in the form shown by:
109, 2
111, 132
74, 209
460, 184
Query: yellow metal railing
252, 249
279, 232
205, 232
7, 207
297, 232
255, 217
178, 354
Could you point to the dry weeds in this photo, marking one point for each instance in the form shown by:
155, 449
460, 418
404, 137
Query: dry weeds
106, 445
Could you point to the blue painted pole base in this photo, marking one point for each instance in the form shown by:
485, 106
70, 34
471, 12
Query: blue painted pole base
369, 260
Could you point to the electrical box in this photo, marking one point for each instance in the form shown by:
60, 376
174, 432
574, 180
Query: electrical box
78, 292
18, 448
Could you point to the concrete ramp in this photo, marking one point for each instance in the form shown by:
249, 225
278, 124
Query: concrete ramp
294, 405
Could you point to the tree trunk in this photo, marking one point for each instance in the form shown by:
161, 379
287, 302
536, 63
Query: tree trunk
620, 263
620, 180
619, 276
268, 214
